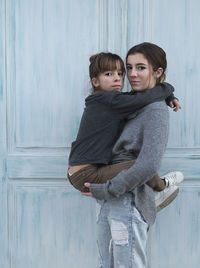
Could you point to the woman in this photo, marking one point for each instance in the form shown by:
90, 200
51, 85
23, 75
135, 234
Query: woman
128, 206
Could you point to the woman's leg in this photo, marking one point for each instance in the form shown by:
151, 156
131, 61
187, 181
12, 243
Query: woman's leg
129, 233
104, 239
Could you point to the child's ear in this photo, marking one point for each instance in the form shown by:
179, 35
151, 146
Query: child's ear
95, 82
159, 72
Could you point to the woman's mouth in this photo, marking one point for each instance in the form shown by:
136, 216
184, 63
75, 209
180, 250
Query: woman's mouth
134, 82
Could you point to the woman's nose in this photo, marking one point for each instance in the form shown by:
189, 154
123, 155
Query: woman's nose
133, 72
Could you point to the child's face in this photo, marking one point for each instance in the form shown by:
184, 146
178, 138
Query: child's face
109, 80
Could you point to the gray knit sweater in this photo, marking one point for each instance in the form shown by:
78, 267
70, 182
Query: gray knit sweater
144, 137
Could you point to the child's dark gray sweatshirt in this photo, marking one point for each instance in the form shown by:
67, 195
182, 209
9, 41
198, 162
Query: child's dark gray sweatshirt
143, 138
103, 115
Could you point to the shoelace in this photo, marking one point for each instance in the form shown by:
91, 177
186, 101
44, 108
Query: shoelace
170, 181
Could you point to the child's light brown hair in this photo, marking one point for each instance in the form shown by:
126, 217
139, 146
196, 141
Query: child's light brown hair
102, 62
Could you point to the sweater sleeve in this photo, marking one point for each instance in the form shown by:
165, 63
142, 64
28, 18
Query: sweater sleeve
125, 104
155, 137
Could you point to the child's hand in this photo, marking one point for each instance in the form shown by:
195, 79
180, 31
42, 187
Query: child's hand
88, 186
175, 104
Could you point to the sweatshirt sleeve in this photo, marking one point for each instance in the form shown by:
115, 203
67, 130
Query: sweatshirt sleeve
129, 103
170, 98
155, 137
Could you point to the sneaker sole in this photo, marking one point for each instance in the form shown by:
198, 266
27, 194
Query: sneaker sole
167, 201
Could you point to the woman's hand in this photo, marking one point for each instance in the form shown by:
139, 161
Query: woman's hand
87, 184
175, 104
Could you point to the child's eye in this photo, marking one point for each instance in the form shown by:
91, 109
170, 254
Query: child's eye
108, 73
120, 73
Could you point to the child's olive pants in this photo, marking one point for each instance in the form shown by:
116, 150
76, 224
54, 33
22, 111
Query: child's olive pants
103, 173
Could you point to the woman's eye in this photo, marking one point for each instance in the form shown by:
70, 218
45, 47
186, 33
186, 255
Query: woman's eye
128, 68
140, 68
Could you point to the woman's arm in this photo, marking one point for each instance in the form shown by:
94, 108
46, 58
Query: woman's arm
155, 136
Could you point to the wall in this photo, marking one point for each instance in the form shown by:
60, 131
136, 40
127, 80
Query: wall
44, 51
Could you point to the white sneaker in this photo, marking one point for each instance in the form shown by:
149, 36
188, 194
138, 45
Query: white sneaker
165, 197
173, 178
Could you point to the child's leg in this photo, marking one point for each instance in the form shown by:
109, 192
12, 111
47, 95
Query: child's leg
96, 174
86, 174
108, 172
101, 174
157, 183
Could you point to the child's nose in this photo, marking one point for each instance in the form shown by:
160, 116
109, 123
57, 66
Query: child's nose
117, 77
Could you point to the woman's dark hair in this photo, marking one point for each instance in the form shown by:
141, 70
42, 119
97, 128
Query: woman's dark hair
102, 62
155, 55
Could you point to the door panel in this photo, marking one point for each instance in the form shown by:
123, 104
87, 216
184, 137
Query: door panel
176, 231
46, 69
48, 46
53, 226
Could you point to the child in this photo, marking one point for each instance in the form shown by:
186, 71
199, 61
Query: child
105, 112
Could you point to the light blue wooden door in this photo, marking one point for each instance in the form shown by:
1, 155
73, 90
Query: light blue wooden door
175, 236
45, 46
44, 51
174, 239
3, 191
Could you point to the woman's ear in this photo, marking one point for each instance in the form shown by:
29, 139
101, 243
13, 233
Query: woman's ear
95, 82
159, 72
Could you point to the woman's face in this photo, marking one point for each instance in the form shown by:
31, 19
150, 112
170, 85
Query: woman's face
140, 72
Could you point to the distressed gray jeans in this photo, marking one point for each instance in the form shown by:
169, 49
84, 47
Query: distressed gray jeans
121, 234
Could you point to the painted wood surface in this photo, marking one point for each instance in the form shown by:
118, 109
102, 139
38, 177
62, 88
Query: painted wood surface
4, 260
46, 223
54, 226
44, 51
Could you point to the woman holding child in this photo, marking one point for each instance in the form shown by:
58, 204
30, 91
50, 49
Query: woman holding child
127, 187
